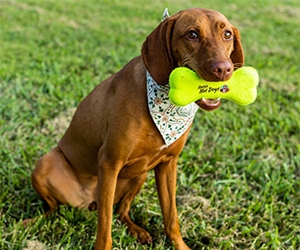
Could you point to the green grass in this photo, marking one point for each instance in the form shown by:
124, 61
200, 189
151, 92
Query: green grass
239, 173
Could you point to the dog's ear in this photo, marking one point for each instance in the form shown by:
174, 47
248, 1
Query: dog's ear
237, 55
157, 53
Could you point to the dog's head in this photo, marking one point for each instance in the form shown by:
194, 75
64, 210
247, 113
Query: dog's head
200, 39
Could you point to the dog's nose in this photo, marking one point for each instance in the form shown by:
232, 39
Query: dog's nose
222, 70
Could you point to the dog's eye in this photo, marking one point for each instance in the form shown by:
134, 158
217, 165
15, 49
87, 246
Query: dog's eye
192, 35
228, 35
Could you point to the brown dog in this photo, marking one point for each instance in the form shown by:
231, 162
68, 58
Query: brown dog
112, 141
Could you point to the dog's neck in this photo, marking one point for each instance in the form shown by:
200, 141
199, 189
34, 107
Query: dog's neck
171, 121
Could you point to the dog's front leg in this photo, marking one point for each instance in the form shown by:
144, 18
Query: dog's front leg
107, 181
165, 175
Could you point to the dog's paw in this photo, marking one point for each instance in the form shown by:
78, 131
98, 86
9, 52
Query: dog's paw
144, 238
140, 234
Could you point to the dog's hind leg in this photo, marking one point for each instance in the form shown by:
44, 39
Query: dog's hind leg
57, 183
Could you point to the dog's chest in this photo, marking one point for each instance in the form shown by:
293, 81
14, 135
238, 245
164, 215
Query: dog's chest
142, 163
171, 121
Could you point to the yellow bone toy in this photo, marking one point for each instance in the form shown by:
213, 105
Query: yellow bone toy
187, 87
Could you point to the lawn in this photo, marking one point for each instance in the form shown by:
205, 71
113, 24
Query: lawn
239, 173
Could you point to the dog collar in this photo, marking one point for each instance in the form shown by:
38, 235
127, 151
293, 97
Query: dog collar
171, 121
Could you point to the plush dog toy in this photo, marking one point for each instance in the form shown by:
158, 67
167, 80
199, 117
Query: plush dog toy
186, 87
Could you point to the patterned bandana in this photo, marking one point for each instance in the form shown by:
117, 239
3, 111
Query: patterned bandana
171, 121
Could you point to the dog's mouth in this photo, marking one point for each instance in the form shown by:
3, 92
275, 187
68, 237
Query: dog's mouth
208, 104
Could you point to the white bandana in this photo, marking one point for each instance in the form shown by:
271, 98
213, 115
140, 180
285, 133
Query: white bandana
172, 121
